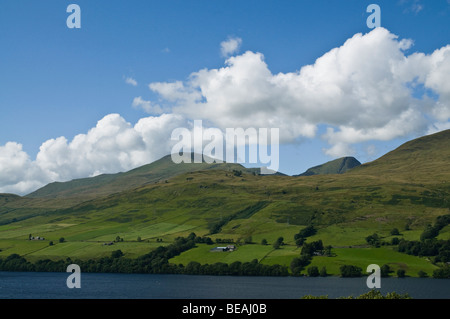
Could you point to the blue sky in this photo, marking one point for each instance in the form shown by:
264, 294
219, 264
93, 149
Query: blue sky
56, 81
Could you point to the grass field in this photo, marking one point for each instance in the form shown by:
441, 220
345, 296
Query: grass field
405, 189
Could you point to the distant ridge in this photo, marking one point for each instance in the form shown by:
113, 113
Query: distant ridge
106, 184
337, 166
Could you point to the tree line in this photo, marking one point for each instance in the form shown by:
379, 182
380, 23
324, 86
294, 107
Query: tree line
155, 262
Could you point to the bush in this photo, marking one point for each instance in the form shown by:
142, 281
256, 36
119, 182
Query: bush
401, 273
422, 274
116, 254
61, 240
299, 263
350, 271
443, 273
313, 271
323, 272
385, 270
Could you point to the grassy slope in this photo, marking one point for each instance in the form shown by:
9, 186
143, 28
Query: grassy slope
337, 166
409, 185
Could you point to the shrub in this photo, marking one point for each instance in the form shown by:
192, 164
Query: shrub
350, 271
401, 273
313, 271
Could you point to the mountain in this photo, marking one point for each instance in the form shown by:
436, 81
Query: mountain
406, 189
425, 159
107, 184
337, 166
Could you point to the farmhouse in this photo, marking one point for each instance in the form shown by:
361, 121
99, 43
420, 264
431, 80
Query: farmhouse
36, 238
221, 249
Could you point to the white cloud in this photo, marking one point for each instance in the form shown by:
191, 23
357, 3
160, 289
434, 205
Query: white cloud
361, 90
18, 173
131, 81
111, 146
147, 106
230, 46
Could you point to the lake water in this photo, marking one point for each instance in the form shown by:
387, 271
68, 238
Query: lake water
26, 285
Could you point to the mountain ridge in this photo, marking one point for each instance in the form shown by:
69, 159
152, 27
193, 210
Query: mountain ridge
337, 166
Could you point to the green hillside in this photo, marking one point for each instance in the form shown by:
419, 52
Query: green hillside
106, 184
337, 166
405, 189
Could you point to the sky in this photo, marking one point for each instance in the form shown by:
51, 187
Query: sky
104, 98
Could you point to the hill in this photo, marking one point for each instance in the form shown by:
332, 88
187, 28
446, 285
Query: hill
405, 189
424, 160
337, 166
106, 184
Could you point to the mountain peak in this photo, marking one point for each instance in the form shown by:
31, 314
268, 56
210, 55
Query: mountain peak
337, 166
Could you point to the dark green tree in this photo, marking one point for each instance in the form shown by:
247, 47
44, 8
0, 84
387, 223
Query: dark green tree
313, 271
116, 254
385, 270
401, 273
323, 272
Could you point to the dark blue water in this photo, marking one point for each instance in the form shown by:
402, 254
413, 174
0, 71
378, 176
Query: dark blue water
24, 285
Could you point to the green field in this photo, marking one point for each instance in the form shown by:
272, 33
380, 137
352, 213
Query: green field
406, 189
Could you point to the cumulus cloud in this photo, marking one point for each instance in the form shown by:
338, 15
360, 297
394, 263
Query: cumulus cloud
147, 106
230, 46
18, 173
131, 81
362, 90
111, 146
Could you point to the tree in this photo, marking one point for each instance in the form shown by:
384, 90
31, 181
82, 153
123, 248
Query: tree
350, 271
299, 263
385, 270
248, 240
395, 232
299, 242
401, 273
422, 274
50, 243
305, 232
116, 254
278, 243
61, 240
313, 271
373, 240
264, 241
395, 241
323, 272
139, 239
